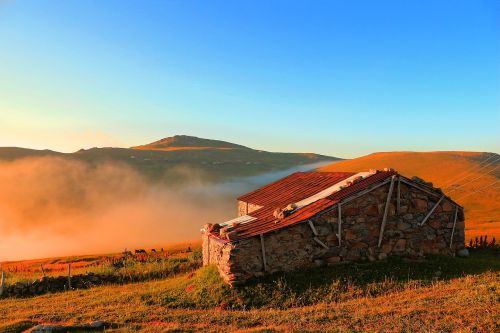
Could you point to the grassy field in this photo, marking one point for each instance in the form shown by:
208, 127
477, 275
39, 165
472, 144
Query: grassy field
436, 294
174, 259
459, 174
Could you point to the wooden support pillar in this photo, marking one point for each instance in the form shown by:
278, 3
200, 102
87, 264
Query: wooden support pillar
386, 211
431, 211
317, 240
2, 282
69, 276
398, 203
315, 232
263, 247
454, 224
339, 235
311, 225
208, 250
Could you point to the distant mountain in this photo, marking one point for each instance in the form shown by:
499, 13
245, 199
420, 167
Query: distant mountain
168, 159
179, 142
471, 178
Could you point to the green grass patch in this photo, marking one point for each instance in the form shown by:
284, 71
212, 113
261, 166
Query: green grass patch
206, 289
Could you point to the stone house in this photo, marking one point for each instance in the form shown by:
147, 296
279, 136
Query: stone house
322, 218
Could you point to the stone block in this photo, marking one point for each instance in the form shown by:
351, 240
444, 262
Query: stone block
372, 210
333, 260
400, 245
349, 234
434, 223
403, 226
382, 256
420, 205
350, 211
386, 248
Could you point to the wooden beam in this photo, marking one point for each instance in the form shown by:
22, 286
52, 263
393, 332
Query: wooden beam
419, 187
264, 261
386, 210
398, 203
339, 235
454, 224
315, 232
431, 211
316, 239
365, 191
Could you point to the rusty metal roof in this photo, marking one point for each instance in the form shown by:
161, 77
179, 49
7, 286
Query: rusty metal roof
295, 187
271, 196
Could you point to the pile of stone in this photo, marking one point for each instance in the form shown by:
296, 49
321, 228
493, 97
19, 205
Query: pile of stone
58, 283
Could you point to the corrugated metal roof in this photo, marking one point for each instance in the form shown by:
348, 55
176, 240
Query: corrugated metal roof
266, 222
295, 187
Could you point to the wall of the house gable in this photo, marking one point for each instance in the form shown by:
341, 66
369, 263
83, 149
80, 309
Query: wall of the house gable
245, 208
294, 247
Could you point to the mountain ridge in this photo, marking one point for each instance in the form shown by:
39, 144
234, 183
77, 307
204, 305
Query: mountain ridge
186, 142
161, 160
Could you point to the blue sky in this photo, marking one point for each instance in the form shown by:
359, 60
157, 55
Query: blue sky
343, 78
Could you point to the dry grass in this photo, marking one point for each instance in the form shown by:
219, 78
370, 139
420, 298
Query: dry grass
445, 306
152, 264
199, 302
482, 209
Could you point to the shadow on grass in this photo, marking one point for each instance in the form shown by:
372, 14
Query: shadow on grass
353, 280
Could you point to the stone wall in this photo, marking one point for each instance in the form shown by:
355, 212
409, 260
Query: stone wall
294, 247
217, 252
57, 283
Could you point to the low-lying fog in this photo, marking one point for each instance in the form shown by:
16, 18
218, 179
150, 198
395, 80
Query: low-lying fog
56, 207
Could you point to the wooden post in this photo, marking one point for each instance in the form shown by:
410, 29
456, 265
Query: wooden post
339, 236
398, 204
311, 225
43, 270
2, 282
386, 211
208, 249
264, 261
317, 240
431, 211
454, 224
69, 276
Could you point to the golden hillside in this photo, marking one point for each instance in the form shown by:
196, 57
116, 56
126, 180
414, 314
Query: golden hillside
471, 178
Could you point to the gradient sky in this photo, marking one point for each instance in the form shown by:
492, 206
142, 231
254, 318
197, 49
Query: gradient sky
343, 78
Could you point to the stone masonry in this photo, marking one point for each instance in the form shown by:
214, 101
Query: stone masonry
295, 247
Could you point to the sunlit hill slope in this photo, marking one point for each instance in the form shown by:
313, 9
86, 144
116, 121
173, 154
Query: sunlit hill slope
471, 178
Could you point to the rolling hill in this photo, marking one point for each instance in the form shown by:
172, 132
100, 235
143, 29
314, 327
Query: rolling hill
185, 142
161, 160
471, 178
